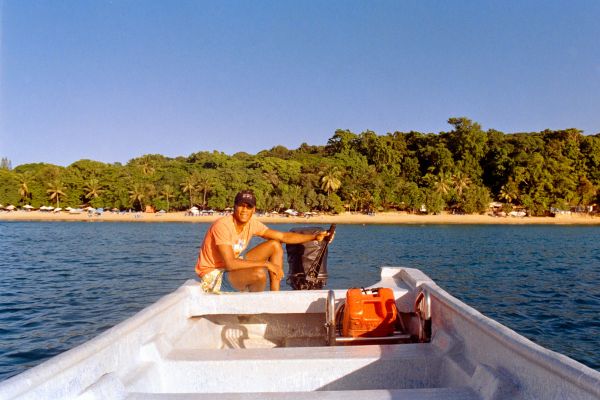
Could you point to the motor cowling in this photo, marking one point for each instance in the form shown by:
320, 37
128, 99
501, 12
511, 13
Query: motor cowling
300, 259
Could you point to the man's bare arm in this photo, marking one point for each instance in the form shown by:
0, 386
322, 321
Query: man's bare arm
294, 237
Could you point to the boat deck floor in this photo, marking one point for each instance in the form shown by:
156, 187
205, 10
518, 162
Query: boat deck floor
410, 371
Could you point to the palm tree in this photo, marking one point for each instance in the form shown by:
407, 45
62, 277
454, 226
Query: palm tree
189, 186
93, 189
354, 198
167, 193
509, 191
24, 191
441, 183
203, 183
136, 194
331, 180
149, 191
147, 166
366, 200
461, 181
55, 190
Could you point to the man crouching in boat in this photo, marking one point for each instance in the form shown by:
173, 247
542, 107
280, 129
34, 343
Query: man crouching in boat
229, 236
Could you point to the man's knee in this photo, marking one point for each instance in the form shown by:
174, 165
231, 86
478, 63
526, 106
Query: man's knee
268, 250
275, 245
258, 274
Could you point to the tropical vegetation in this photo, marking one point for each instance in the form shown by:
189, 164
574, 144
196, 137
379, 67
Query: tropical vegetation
461, 170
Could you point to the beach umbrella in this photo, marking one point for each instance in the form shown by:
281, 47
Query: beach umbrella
27, 207
10, 207
57, 209
194, 208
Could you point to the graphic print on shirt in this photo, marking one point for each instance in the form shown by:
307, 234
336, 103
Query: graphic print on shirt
238, 247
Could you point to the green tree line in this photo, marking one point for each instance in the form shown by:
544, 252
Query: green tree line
462, 170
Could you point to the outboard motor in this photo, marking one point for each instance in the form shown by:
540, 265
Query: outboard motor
308, 261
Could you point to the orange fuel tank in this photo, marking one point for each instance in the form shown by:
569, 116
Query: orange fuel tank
369, 313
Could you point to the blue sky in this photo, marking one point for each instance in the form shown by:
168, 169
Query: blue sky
114, 80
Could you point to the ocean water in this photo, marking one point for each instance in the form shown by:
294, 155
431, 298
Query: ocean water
62, 283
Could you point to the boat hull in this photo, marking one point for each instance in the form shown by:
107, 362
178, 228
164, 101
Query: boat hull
273, 345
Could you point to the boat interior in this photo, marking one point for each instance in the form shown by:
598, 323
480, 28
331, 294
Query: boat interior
287, 354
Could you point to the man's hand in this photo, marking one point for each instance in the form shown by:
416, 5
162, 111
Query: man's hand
322, 235
275, 269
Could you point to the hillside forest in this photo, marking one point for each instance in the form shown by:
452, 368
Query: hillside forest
461, 170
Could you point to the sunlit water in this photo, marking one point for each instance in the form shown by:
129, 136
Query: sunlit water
61, 284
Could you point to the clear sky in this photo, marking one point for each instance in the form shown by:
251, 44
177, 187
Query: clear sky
114, 80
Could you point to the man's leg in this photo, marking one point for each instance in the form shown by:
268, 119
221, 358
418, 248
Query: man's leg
250, 279
255, 279
272, 251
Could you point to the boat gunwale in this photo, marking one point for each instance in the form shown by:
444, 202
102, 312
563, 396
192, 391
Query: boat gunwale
46, 370
567, 368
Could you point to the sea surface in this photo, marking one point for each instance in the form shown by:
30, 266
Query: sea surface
62, 283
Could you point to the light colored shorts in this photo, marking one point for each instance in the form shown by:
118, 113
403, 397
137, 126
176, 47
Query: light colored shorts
211, 282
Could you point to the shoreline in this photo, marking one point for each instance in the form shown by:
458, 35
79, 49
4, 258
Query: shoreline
390, 218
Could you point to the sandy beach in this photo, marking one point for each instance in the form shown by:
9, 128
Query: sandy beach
345, 218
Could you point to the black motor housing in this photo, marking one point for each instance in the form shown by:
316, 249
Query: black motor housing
301, 257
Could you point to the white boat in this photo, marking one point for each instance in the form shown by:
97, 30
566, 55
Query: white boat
272, 345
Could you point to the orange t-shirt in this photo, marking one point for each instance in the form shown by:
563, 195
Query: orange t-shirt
222, 231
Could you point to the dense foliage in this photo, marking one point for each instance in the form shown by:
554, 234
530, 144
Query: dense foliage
460, 170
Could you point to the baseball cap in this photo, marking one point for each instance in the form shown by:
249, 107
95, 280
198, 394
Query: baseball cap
247, 197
